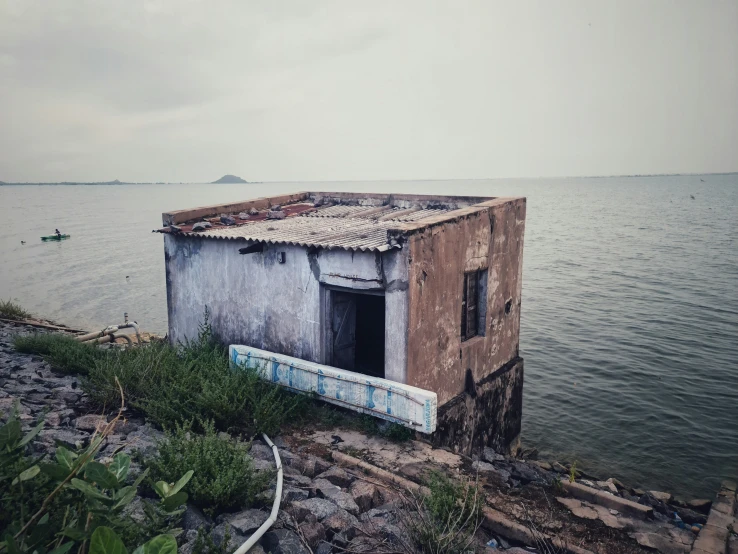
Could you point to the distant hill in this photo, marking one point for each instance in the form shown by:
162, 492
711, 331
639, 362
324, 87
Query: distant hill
230, 179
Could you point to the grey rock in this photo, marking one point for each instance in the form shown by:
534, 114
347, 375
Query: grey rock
194, 519
188, 547
218, 534
343, 500
298, 479
320, 507
243, 216
700, 505
276, 215
248, 521
37, 397
69, 397
253, 211
525, 473
201, 226
492, 473
323, 487
135, 511
662, 496
227, 220
489, 455
67, 437
313, 532
324, 548
90, 422
366, 495
338, 476
261, 452
283, 541
263, 465
293, 494
341, 522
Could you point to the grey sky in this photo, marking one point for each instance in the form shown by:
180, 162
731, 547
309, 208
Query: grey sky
180, 90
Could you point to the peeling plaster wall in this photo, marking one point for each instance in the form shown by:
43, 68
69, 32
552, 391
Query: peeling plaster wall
256, 301
488, 236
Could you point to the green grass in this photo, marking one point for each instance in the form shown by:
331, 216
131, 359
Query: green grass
12, 310
447, 517
328, 415
191, 383
224, 478
65, 354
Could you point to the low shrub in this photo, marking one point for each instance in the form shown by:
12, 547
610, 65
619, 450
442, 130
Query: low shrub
65, 354
12, 310
446, 520
75, 501
224, 478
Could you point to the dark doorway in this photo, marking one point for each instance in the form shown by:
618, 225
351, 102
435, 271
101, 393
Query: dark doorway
357, 325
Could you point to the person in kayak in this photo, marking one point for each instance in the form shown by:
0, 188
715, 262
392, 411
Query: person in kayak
58, 234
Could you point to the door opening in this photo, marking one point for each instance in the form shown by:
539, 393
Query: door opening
357, 332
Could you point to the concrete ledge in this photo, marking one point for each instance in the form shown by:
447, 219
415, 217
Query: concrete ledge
498, 523
341, 458
713, 539
608, 500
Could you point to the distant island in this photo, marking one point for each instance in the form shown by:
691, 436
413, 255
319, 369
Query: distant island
229, 179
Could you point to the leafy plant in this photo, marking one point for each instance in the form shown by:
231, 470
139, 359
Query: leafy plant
63, 353
447, 518
224, 478
573, 472
74, 500
12, 310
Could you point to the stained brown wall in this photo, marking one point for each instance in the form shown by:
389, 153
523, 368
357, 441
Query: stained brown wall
488, 235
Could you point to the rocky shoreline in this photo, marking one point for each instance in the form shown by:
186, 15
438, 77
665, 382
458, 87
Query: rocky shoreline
331, 503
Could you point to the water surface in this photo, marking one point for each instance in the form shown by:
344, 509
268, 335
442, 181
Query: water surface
629, 316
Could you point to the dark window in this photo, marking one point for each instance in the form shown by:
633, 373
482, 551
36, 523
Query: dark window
474, 304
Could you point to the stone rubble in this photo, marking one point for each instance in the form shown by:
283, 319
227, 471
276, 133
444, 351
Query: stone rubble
326, 508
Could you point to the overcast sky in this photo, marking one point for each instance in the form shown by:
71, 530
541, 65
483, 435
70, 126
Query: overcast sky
179, 90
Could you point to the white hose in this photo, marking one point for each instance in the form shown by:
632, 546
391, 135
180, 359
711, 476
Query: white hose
245, 547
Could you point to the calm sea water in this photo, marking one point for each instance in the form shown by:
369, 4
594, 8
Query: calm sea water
630, 302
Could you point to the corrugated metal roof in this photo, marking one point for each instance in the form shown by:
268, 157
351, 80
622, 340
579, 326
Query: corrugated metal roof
340, 226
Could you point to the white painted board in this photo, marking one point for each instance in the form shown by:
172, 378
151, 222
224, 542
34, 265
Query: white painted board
409, 406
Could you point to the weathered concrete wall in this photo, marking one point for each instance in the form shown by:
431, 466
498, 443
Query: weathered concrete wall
256, 301
488, 413
489, 236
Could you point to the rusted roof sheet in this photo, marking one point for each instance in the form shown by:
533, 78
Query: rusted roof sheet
349, 227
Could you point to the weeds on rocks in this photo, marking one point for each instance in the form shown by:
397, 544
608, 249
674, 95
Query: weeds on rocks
76, 501
224, 479
12, 310
65, 354
446, 519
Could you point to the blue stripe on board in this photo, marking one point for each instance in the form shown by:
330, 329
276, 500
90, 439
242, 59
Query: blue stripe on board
370, 395
275, 370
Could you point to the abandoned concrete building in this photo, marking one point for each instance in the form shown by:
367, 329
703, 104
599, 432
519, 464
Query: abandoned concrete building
391, 298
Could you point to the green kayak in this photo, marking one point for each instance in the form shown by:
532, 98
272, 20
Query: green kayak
55, 237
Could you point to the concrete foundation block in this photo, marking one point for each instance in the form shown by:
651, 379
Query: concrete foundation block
487, 414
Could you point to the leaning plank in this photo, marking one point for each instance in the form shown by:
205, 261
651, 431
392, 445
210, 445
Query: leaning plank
594, 496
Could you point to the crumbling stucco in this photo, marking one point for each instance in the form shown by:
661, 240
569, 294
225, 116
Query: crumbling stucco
255, 300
